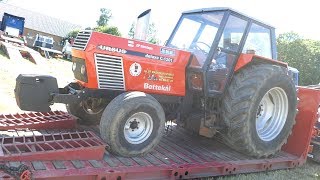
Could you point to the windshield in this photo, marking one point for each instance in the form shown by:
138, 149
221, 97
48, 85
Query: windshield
196, 31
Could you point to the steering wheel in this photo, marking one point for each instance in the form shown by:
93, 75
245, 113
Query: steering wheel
196, 45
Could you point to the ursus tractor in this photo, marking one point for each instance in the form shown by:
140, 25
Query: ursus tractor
217, 75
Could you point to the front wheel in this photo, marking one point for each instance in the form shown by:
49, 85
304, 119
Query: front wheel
132, 124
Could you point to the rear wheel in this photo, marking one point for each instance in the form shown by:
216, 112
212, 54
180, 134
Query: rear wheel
88, 111
259, 110
132, 124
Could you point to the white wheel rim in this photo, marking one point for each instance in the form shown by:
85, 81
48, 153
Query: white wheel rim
138, 128
272, 114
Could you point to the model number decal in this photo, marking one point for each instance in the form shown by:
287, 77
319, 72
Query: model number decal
112, 49
134, 53
167, 51
166, 59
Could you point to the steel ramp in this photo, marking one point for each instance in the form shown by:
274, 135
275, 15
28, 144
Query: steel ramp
37, 120
56, 146
12, 51
36, 57
14, 54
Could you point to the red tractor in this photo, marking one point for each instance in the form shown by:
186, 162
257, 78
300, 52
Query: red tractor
218, 74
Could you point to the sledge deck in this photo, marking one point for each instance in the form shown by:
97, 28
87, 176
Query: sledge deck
180, 154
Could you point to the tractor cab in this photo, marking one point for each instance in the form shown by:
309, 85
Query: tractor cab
216, 37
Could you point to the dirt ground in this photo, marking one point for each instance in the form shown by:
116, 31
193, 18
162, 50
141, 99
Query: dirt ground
10, 69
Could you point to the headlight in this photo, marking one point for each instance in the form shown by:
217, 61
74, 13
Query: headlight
83, 69
79, 69
74, 66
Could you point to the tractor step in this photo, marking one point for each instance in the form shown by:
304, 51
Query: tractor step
57, 146
37, 121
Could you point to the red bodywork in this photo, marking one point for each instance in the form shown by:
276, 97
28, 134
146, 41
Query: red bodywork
162, 69
181, 155
170, 70
245, 59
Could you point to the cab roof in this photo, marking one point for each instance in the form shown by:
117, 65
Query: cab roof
225, 9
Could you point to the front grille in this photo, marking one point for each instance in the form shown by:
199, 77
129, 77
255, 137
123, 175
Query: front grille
109, 72
82, 39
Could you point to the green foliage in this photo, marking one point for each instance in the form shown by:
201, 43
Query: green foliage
109, 30
131, 31
104, 17
151, 36
303, 54
288, 37
103, 23
72, 34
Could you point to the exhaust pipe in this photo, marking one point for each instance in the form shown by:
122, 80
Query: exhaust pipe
142, 26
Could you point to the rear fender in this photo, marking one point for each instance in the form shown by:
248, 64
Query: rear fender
246, 59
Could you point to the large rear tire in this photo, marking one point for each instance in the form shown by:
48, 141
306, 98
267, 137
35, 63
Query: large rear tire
259, 109
132, 124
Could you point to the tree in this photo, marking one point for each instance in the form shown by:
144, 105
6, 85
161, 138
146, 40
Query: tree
131, 31
303, 54
151, 36
104, 17
109, 30
102, 23
72, 34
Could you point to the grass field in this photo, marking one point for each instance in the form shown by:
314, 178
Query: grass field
10, 69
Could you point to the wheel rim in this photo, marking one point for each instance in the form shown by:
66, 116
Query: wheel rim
272, 114
138, 128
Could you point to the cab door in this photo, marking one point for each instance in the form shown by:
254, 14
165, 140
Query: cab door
219, 65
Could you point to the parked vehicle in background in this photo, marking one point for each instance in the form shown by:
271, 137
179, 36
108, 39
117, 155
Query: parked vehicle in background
12, 25
43, 41
44, 44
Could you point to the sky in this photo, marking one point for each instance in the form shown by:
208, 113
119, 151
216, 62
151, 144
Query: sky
292, 15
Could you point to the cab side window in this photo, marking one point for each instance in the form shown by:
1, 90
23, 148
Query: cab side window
233, 33
258, 41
